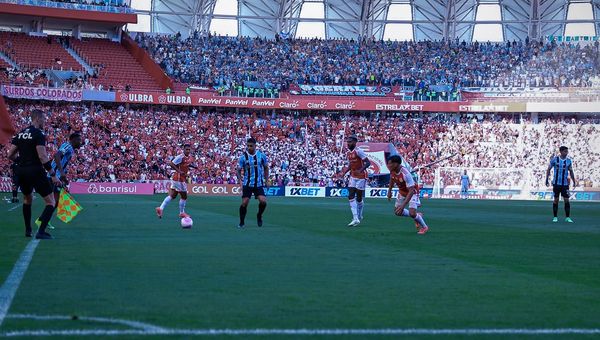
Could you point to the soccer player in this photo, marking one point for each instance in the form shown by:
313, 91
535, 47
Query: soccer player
60, 161
563, 166
182, 164
358, 163
465, 183
408, 193
255, 167
30, 146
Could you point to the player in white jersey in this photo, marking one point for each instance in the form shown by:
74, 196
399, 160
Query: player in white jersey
181, 164
358, 163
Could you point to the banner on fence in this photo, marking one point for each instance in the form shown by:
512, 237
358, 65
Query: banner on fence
95, 188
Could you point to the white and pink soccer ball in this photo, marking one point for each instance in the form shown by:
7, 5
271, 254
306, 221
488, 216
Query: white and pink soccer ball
187, 222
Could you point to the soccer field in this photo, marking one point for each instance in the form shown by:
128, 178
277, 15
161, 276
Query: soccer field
484, 265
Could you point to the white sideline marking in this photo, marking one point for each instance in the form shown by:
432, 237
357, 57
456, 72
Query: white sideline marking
10, 286
132, 324
262, 331
15, 207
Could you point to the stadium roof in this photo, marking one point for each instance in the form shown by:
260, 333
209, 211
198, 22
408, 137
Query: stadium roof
482, 20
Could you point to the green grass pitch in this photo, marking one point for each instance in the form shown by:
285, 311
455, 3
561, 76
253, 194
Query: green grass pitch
483, 265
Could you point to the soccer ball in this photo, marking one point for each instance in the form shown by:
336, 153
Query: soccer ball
187, 222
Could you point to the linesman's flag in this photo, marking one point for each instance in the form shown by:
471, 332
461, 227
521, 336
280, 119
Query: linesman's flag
67, 208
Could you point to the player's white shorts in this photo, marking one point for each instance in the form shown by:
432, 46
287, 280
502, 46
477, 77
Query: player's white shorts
414, 202
357, 183
179, 186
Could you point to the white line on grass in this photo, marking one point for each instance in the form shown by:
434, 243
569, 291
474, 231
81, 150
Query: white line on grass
262, 331
132, 324
15, 207
10, 286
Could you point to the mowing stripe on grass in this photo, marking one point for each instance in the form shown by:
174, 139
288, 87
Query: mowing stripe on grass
10, 286
262, 331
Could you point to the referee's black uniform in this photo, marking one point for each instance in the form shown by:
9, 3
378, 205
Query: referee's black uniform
15, 180
31, 175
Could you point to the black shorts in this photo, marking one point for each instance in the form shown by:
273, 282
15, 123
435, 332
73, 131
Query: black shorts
34, 177
247, 192
562, 190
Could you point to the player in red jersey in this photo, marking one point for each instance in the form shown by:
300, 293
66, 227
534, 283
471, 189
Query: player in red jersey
182, 164
358, 163
408, 193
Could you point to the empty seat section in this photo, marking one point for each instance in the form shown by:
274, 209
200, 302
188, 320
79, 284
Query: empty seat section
114, 65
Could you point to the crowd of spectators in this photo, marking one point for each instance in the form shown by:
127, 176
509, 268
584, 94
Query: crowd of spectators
25, 76
231, 61
112, 3
136, 144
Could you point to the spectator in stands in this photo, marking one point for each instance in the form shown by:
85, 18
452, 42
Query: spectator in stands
136, 144
225, 61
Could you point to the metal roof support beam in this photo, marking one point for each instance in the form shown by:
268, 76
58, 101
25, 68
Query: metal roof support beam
202, 15
288, 15
534, 18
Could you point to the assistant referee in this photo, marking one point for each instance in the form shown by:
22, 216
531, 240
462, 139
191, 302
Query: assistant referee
34, 166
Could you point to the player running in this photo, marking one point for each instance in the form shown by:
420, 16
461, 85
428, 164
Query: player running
255, 167
358, 163
181, 164
30, 146
465, 183
408, 193
563, 166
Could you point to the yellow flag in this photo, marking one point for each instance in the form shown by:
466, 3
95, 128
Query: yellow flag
67, 208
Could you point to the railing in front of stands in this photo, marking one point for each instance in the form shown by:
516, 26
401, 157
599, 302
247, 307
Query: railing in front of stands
112, 6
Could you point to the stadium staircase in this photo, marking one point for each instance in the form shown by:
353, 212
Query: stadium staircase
3, 64
31, 52
88, 68
114, 64
109, 62
6, 62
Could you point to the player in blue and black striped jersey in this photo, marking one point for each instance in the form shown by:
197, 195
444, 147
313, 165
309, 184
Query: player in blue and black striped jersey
62, 158
60, 161
563, 167
255, 167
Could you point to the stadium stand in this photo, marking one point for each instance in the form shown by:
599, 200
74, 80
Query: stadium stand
135, 144
114, 65
216, 60
37, 52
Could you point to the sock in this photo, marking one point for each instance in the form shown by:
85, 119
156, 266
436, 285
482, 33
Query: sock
182, 206
27, 216
405, 213
243, 211
261, 208
555, 209
354, 209
165, 202
420, 220
45, 217
568, 209
14, 193
359, 208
